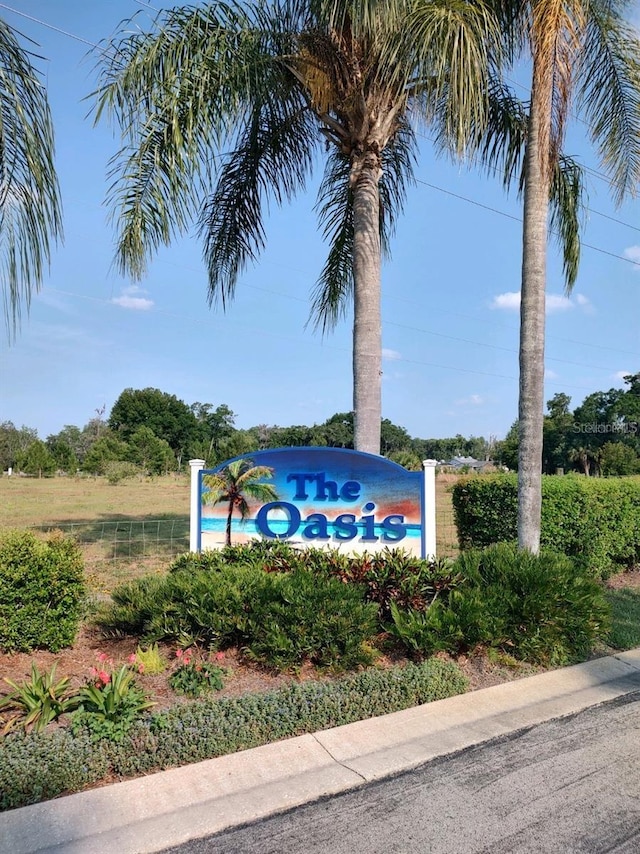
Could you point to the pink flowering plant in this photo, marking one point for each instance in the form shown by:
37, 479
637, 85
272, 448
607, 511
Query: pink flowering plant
110, 701
194, 675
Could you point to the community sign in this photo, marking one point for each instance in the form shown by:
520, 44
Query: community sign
315, 497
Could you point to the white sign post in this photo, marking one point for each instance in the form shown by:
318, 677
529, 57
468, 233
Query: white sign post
194, 518
429, 508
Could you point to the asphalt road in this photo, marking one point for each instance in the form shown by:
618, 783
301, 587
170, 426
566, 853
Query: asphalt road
570, 785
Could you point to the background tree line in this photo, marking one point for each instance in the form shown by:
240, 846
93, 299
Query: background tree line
149, 431
600, 437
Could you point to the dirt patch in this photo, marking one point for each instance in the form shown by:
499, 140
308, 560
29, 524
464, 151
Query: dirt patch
241, 676
628, 578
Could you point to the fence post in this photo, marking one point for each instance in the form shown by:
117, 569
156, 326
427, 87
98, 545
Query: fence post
194, 512
429, 508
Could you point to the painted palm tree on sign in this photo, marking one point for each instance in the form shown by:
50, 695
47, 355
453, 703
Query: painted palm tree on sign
233, 484
276, 85
583, 50
30, 217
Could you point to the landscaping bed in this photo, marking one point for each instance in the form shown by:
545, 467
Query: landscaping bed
233, 649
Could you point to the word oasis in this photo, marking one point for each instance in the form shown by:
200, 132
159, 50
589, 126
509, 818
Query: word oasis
315, 497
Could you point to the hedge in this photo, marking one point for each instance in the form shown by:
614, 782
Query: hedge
42, 591
594, 520
34, 767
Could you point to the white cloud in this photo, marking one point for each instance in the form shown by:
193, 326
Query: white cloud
129, 299
391, 355
620, 375
510, 301
550, 375
557, 302
633, 254
472, 400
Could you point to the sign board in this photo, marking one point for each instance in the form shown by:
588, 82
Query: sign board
318, 497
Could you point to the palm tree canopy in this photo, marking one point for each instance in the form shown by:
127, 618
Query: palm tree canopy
30, 213
586, 57
225, 108
237, 481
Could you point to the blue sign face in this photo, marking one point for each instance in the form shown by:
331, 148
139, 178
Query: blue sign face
313, 496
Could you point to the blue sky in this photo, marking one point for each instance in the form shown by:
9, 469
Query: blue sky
450, 291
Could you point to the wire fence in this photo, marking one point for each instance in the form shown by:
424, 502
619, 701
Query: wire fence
121, 549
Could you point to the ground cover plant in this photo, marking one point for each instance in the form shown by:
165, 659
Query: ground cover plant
35, 767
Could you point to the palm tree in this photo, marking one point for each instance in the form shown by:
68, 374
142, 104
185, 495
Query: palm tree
586, 48
233, 483
274, 84
30, 217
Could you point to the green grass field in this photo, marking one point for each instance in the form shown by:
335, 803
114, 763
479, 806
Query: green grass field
135, 526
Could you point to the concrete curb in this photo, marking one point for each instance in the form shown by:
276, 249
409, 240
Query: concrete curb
171, 807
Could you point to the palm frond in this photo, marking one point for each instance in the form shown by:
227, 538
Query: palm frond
30, 210
330, 296
609, 93
178, 94
567, 202
273, 159
455, 43
503, 140
502, 149
398, 162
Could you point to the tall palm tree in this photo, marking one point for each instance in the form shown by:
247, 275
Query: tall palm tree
236, 481
30, 217
585, 51
274, 84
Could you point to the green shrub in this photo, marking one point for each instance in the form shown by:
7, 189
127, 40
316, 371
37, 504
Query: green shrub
119, 470
541, 608
270, 556
34, 768
391, 575
299, 617
42, 591
595, 520
544, 609
280, 619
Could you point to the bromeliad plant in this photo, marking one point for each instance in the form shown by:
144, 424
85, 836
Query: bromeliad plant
37, 701
194, 677
110, 702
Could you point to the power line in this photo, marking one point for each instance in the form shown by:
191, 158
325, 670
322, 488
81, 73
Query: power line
519, 219
48, 26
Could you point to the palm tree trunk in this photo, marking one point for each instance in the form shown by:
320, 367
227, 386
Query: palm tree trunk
367, 324
532, 323
229, 517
